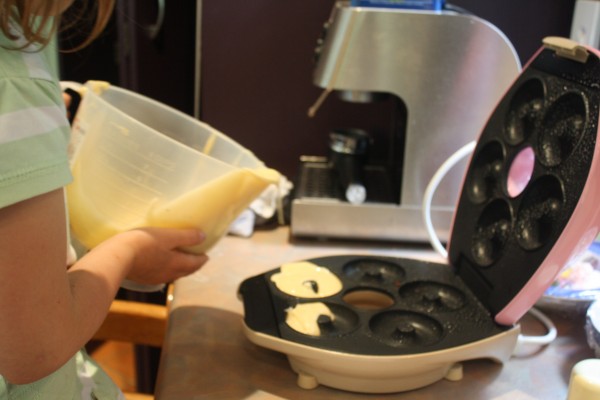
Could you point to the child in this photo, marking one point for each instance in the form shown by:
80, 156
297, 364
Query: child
48, 311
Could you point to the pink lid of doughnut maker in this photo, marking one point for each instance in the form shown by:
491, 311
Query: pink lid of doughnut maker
529, 202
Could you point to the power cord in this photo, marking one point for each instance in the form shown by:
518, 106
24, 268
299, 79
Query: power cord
548, 324
430, 191
437, 245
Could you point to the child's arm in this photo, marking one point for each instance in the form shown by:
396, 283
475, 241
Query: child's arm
48, 313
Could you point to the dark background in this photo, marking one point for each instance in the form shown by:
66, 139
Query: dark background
256, 64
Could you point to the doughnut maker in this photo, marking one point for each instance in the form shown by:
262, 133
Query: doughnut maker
528, 205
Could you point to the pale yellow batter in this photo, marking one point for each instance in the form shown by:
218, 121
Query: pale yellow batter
307, 280
303, 318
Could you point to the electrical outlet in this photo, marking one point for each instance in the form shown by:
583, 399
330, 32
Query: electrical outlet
585, 28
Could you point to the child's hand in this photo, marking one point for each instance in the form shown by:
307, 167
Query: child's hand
155, 255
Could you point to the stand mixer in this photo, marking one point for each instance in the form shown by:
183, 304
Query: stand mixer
444, 71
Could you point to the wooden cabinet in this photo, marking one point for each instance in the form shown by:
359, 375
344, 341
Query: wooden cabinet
148, 47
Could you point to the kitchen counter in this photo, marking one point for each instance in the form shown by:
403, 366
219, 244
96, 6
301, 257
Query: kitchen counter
207, 356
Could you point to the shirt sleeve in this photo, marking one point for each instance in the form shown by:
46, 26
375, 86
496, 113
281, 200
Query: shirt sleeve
34, 134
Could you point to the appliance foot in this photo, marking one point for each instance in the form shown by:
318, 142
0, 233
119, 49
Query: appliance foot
307, 381
455, 373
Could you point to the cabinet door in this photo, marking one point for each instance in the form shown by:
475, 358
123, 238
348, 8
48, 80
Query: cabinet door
256, 76
149, 47
157, 49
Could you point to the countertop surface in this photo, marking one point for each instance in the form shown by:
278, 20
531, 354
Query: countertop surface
207, 356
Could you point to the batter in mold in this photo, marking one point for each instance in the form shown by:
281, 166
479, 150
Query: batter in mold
306, 318
307, 280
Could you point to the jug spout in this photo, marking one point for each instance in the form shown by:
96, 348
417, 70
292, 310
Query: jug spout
268, 175
215, 205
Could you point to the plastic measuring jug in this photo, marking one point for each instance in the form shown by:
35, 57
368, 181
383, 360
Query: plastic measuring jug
138, 162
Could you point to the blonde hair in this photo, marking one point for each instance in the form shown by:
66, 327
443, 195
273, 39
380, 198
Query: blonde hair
39, 20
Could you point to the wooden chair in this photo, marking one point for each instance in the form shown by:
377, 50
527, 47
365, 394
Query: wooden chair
137, 323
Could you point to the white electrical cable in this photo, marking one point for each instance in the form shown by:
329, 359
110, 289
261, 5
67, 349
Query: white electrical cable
548, 324
439, 247
432, 187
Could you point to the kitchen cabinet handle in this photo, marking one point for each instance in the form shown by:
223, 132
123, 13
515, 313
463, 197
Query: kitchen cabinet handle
153, 30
